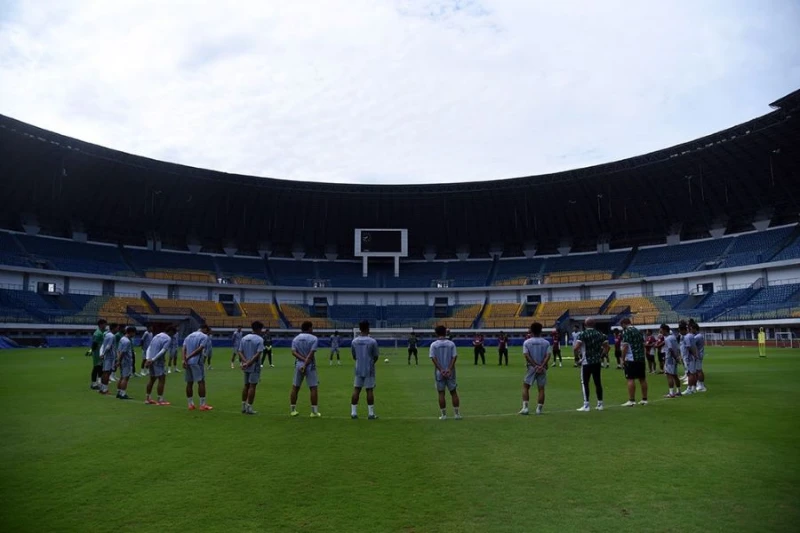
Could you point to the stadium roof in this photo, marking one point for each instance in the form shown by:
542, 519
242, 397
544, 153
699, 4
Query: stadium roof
731, 178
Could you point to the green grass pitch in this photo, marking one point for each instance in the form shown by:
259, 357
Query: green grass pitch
727, 460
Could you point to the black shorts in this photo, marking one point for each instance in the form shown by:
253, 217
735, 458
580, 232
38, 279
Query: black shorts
662, 356
634, 370
557, 351
651, 358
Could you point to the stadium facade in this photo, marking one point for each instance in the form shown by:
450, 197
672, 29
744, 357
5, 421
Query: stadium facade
707, 229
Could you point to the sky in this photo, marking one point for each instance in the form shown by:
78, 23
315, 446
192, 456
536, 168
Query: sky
394, 91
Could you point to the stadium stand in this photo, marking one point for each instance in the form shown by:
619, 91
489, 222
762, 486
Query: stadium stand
461, 316
584, 267
173, 266
242, 271
643, 310
416, 274
467, 273
548, 312
293, 272
517, 271
664, 260
791, 251
295, 314
10, 252
754, 247
71, 256
505, 315
347, 274
775, 301
267, 313
403, 316
348, 316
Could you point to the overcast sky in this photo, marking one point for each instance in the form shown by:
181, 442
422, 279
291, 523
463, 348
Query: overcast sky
406, 91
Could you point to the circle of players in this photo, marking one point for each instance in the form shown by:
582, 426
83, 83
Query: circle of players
112, 350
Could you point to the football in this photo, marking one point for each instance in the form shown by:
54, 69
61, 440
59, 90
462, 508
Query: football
386, 360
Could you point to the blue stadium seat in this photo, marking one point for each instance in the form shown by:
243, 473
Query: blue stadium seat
71, 256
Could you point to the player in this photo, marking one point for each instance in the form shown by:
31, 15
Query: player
196, 347
502, 348
633, 352
155, 364
117, 337
661, 350
108, 356
208, 349
236, 339
700, 346
537, 354
672, 353
443, 356
94, 350
250, 350
365, 353
304, 348
267, 354
650, 351
618, 347
479, 349
589, 349
335, 348
574, 336
412, 348
556, 348
173, 354
125, 362
689, 356
147, 338
762, 343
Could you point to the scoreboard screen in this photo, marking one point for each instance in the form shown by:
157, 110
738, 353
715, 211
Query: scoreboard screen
381, 242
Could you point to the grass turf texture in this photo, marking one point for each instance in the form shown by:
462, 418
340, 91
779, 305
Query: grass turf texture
72, 460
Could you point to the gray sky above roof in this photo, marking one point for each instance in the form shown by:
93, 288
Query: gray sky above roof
366, 91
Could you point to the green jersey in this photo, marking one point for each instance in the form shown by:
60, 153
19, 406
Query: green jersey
592, 346
97, 341
635, 341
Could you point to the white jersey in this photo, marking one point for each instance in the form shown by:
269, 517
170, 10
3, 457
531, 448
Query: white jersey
671, 349
537, 348
158, 347
687, 342
192, 342
107, 348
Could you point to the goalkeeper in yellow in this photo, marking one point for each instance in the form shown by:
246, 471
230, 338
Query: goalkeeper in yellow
762, 343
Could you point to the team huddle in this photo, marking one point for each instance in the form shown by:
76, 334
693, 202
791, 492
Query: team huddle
113, 350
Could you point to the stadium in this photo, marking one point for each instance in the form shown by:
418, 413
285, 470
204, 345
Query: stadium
706, 230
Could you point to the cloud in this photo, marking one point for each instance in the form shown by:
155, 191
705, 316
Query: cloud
403, 92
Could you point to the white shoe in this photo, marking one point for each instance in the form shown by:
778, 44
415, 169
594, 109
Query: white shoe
177, 370
524, 411
701, 389
272, 366
443, 417
584, 409
112, 378
687, 391
169, 371
628, 404
458, 417
599, 407
232, 369
339, 363
262, 366
643, 402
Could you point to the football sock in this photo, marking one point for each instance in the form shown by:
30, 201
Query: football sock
539, 407
202, 401
455, 410
293, 408
524, 405
160, 398
314, 409
191, 401
444, 412
371, 409
353, 410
